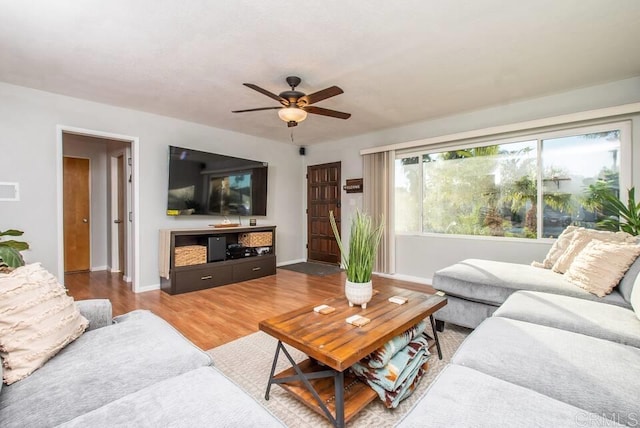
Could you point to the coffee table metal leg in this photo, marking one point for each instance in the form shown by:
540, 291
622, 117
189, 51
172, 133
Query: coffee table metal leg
339, 387
273, 370
435, 336
338, 420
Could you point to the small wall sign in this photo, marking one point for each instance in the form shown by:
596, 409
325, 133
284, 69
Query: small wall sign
353, 185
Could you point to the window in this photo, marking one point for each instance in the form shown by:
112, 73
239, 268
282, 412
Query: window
493, 188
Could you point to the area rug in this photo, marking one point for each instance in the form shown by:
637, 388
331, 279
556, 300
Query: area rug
310, 268
247, 361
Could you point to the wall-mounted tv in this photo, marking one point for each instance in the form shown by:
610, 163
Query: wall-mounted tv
202, 183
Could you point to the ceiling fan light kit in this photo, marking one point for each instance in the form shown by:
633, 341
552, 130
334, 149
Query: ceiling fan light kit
292, 114
296, 104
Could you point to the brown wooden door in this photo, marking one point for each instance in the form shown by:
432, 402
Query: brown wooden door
323, 195
76, 214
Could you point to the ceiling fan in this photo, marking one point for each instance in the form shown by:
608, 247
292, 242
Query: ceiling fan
296, 104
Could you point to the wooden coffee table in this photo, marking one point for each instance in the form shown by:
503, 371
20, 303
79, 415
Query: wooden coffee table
333, 346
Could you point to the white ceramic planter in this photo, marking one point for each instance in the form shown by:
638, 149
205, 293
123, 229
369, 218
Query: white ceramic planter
358, 293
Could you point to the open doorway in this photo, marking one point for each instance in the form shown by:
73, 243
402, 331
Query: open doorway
97, 200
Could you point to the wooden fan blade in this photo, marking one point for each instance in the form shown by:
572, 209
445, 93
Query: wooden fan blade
256, 109
267, 93
320, 95
327, 112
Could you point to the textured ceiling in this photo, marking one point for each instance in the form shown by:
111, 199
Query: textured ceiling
398, 61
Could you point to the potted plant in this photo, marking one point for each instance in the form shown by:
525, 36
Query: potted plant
10, 250
630, 212
358, 262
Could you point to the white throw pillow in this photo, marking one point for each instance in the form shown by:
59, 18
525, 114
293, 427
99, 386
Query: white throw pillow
635, 297
581, 238
601, 265
558, 248
37, 320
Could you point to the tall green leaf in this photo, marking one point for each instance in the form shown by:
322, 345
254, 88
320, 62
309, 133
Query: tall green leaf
630, 213
363, 246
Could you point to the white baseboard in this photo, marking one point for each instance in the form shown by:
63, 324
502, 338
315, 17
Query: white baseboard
290, 262
126, 278
112, 270
98, 268
408, 278
145, 288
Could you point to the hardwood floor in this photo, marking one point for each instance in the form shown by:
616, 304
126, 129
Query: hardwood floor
212, 317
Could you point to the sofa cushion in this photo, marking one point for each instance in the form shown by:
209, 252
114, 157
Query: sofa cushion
203, 397
98, 368
581, 238
601, 265
98, 312
594, 319
463, 397
492, 282
627, 283
592, 374
635, 299
37, 320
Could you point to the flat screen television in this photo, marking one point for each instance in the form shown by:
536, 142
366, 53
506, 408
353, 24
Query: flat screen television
202, 183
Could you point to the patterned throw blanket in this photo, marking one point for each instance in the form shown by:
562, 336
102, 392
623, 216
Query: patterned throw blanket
381, 356
399, 377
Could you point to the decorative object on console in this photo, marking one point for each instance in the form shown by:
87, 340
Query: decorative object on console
363, 246
10, 250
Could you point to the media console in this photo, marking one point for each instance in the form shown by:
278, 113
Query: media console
205, 258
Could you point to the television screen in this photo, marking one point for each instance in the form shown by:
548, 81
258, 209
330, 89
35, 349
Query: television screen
202, 183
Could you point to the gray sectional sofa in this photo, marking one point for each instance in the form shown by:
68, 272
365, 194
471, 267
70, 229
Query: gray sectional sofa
556, 358
476, 288
134, 370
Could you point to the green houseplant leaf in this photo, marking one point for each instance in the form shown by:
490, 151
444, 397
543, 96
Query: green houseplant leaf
10, 250
630, 213
363, 246
11, 257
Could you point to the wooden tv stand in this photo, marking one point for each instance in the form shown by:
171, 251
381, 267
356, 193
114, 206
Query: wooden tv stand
183, 279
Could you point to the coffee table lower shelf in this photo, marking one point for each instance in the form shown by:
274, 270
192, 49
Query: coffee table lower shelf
356, 393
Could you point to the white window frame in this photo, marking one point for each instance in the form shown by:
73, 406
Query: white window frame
625, 177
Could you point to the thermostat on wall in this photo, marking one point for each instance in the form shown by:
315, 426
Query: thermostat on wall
9, 192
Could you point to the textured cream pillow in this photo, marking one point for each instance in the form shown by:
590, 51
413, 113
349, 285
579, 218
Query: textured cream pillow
558, 247
37, 320
601, 265
581, 238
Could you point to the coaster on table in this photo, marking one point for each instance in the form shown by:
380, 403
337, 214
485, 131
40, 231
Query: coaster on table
324, 309
398, 300
358, 320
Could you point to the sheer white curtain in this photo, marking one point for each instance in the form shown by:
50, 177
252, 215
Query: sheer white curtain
377, 202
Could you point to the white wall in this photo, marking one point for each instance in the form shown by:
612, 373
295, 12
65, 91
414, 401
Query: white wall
421, 256
28, 120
